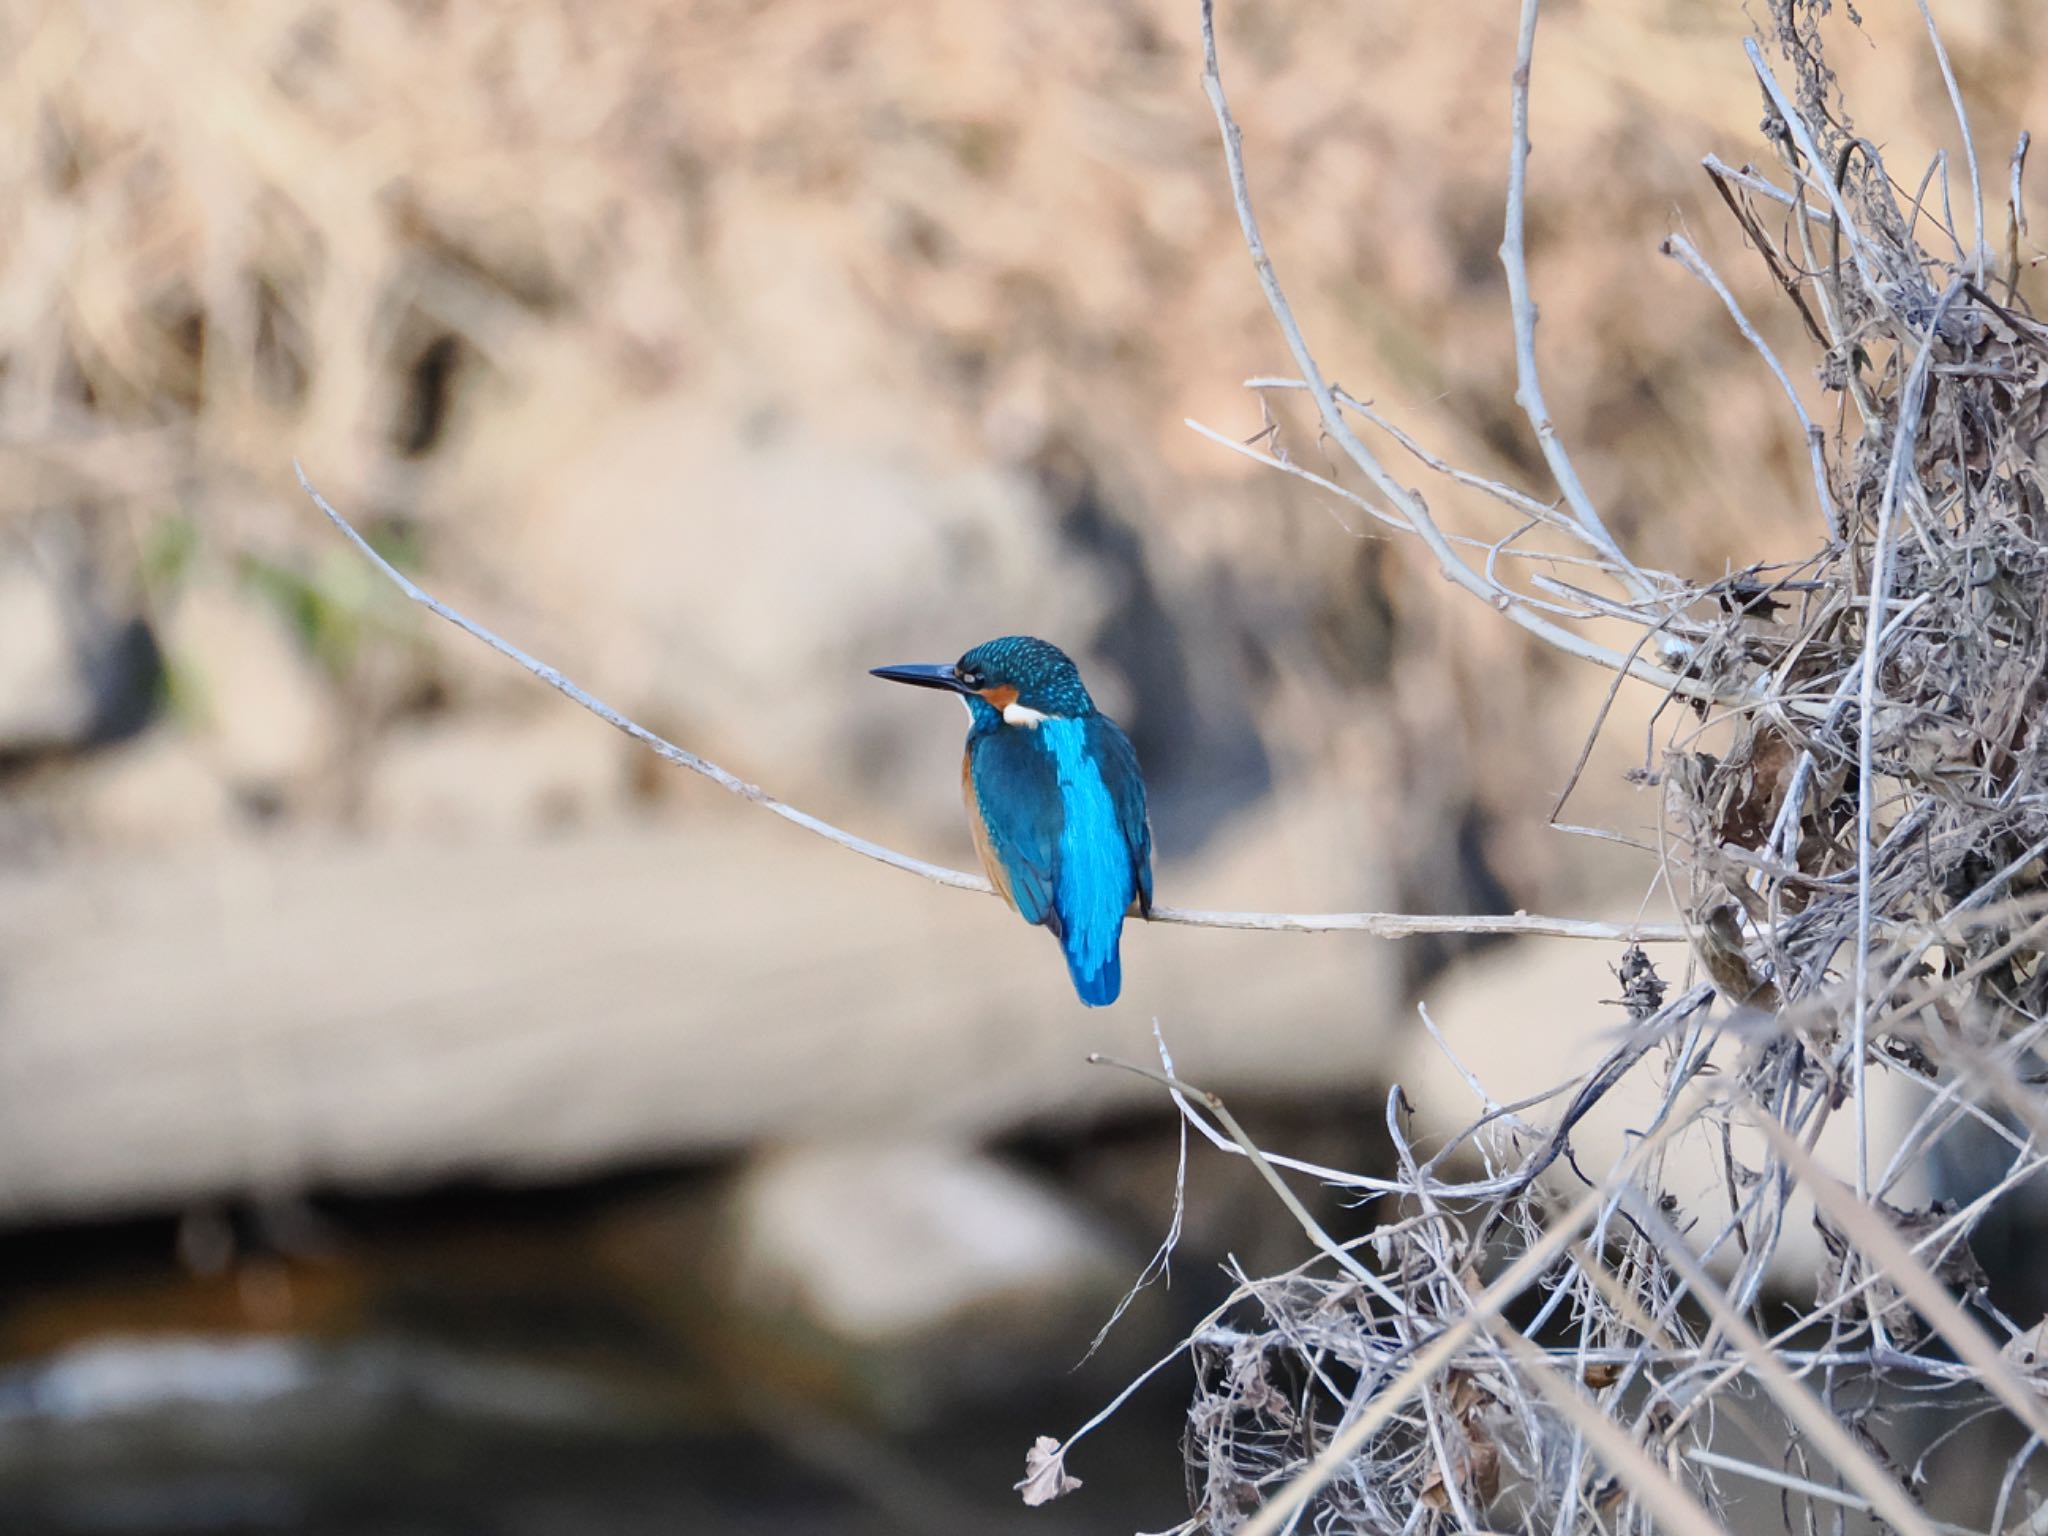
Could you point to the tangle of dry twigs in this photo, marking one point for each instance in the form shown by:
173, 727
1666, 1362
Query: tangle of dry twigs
1856, 805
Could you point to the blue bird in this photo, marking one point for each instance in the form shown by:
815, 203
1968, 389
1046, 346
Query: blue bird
1054, 800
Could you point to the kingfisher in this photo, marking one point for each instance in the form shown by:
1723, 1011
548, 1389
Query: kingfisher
1054, 800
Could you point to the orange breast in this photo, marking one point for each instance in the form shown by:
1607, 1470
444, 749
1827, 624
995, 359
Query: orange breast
990, 864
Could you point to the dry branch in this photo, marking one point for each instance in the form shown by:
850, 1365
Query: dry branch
1384, 925
1410, 506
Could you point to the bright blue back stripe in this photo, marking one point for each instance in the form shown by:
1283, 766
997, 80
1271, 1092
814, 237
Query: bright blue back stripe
1095, 864
1102, 987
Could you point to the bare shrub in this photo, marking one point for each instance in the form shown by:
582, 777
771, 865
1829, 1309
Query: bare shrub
1859, 861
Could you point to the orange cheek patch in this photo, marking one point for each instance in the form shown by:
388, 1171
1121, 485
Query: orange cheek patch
1002, 697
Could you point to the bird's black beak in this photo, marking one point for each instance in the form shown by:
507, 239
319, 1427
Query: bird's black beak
942, 676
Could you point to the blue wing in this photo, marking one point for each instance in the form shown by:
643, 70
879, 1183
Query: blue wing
1118, 763
1099, 865
1015, 795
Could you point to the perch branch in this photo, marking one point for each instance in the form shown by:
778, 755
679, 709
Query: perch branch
1385, 925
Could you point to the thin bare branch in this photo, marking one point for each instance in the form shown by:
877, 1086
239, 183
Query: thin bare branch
1855, 828
1308, 1224
1444, 1346
1681, 250
1980, 256
1675, 1508
1866, 786
1797, 1400
1385, 925
1875, 1237
1816, 163
1514, 261
1404, 501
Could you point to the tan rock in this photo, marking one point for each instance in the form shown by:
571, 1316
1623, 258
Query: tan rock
883, 1243
925, 1268
298, 1012
157, 791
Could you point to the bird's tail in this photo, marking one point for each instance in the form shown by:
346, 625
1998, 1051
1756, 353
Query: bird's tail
1098, 988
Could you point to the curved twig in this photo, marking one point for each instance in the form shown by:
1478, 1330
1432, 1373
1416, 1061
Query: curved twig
1980, 255
1522, 309
1681, 250
1385, 925
1405, 501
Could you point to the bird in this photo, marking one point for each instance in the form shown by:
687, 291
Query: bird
1054, 799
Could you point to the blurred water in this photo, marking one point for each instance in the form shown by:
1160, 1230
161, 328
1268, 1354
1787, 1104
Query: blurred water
182, 1436
468, 1364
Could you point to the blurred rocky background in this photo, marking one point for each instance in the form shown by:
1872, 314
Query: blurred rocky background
420, 1111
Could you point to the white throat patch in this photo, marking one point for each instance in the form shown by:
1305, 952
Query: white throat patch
1017, 714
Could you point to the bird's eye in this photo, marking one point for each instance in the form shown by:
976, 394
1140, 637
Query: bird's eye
971, 679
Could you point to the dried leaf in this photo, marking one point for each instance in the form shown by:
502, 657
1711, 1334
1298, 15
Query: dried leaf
1718, 942
1434, 1495
1468, 1397
1752, 782
1045, 1473
1474, 1456
1955, 1267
